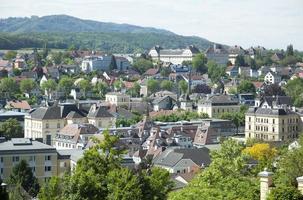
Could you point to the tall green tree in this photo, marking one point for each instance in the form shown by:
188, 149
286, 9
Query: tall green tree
285, 193
290, 50
101, 89
8, 86
11, 128
183, 86
22, 174
199, 63
85, 86
142, 65
152, 86
240, 61
27, 85
3, 191
215, 71
10, 55
246, 86
66, 84
49, 86
167, 85
52, 190
294, 89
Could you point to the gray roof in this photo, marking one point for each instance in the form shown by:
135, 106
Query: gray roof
279, 100
221, 99
171, 156
54, 112
23, 145
100, 111
270, 111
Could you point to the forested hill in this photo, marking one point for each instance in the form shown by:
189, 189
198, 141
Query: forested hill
62, 31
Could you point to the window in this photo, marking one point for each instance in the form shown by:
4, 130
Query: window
46, 125
273, 121
1, 159
15, 158
249, 119
1, 170
48, 139
48, 157
273, 129
47, 168
32, 158
58, 125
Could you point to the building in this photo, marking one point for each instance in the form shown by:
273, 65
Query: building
46, 122
235, 51
174, 56
215, 105
18, 106
122, 63
74, 136
272, 123
100, 117
217, 53
212, 130
97, 63
272, 78
178, 161
118, 99
164, 103
41, 158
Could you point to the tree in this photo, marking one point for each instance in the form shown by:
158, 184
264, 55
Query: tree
11, 128
27, 85
263, 153
240, 61
49, 86
85, 86
118, 85
66, 84
285, 193
142, 65
294, 89
246, 87
16, 72
8, 86
152, 86
123, 184
227, 169
135, 90
167, 85
199, 63
238, 118
165, 71
22, 174
101, 88
10, 55
183, 86
52, 190
215, 72
57, 58
290, 50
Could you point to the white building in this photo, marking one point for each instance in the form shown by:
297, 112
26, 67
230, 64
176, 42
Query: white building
272, 78
175, 56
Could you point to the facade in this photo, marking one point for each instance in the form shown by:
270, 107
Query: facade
215, 105
272, 78
234, 52
174, 56
217, 53
122, 63
74, 136
45, 122
164, 103
100, 117
41, 158
118, 99
97, 63
272, 124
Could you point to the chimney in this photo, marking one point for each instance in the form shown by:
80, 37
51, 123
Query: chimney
300, 184
265, 183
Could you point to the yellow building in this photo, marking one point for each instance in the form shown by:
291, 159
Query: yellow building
118, 99
272, 124
46, 122
40, 157
215, 105
100, 117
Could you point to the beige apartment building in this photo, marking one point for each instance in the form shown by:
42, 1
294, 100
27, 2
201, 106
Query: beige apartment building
45, 122
272, 124
100, 117
215, 105
40, 157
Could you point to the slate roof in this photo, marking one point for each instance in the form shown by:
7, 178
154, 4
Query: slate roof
100, 111
270, 111
170, 157
279, 100
221, 99
54, 112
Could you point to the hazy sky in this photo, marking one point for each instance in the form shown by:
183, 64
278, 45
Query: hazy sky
270, 23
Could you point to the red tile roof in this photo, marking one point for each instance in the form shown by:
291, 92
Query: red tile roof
19, 105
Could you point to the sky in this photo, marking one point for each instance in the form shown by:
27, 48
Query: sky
269, 23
